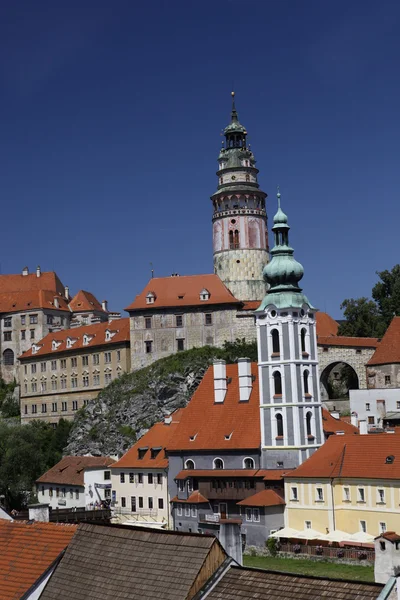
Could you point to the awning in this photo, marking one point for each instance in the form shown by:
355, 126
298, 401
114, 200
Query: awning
361, 536
309, 534
286, 532
335, 536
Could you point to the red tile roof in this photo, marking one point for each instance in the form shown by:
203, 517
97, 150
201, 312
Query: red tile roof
194, 498
272, 474
388, 351
206, 425
31, 300
351, 456
326, 326
85, 301
96, 332
157, 437
183, 291
251, 305
26, 283
70, 469
355, 342
218, 473
392, 536
332, 425
263, 498
27, 550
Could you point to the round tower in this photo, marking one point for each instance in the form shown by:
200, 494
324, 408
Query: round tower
240, 234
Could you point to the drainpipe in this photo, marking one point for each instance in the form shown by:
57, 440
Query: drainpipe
168, 502
333, 506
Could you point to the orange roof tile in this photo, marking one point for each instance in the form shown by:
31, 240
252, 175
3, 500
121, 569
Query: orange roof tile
70, 469
206, 425
194, 498
31, 300
332, 425
326, 325
358, 342
263, 498
157, 437
388, 351
27, 550
27, 283
85, 301
251, 305
199, 473
183, 291
273, 474
96, 337
350, 456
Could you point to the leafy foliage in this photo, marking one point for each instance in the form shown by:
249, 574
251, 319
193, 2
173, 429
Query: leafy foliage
9, 406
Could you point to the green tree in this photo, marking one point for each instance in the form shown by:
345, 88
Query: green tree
362, 318
386, 294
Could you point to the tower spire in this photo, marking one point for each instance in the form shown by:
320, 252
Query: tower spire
234, 115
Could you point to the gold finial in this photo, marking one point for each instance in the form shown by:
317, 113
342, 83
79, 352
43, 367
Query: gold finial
232, 94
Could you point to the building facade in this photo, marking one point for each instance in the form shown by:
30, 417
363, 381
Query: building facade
68, 368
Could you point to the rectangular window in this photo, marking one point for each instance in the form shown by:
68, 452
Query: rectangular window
96, 359
107, 475
74, 404
382, 527
54, 407
319, 494
96, 379
74, 362
32, 334
26, 369
54, 365
131, 478
123, 502
150, 477
54, 384
63, 384
34, 408
51, 492
381, 496
107, 357
140, 477
118, 355
64, 406
307, 524
208, 319
249, 514
85, 361
150, 503
159, 478
57, 492
7, 336
398, 404
346, 494
161, 504
179, 320
187, 510
193, 510
387, 379
43, 386
363, 526
7, 321
23, 320
256, 515
34, 387
63, 363
140, 501
294, 495
23, 334
179, 510
180, 345
74, 382
107, 378
77, 494
367, 406
43, 367
361, 495
85, 381
371, 420
147, 322
44, 408
122, 477
148, 346
33, 319
49, 319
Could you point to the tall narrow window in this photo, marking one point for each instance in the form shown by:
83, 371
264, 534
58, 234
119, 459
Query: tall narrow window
305, 380
279, 425
277, 383
308, 423
231, 243
303, 340
236, 238
275, 341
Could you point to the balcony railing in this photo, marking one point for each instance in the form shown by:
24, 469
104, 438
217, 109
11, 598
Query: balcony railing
207, 518
139, 512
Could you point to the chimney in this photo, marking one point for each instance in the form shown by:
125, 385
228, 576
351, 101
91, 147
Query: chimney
245, 379
167, 419
219, 380
104, 305
335, 414
354, 419
38, 271
38, 512
113, 316
25, 271
231, 539
362, 423
387, 558
56, 301
66, 292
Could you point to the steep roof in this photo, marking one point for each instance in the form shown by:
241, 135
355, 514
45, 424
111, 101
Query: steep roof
183, 291
157, 437
133, 563
31, 300
332, 425
354, 456
263, 498
326, 325
207, 425
27, 283
355, 342
194, 498
388, 351
96, 337
85, 301
239, 583
27, 550
70, 469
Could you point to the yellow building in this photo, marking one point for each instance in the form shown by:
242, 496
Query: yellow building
351, 484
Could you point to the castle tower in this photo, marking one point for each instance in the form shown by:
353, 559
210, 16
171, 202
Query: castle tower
240, 234
290, 404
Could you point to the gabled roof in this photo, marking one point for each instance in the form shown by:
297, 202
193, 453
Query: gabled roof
332, 425
326, 325
263, 498
355, 342
157, 437
133, 563
85, 301
27, 283
183, 291
388, 351
229, 425
353, 456
31, 300
70, 469
194, 498
96, 337
27, 551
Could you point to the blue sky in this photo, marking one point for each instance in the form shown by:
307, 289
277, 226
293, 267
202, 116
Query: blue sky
110, 122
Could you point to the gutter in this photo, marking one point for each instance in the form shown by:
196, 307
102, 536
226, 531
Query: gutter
333, 505
387, 590
215, 578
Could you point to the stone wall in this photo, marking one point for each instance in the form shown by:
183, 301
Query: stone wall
357, 358
241, 272
383, 376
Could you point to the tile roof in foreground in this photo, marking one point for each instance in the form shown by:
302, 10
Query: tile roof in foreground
85, 301
70, 469
132, 563
240, 583
27, 550
388, 351
370, 456
263, 498
332, 425
177, 291
94, 335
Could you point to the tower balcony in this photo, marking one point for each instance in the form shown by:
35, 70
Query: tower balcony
259, 212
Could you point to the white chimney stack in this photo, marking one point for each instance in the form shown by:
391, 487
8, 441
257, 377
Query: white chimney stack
245, 379
113, 316
354, 419
231, 539
38, 271
104, 305
38, 512
56, 302
363, 426
335, 414
25, 271
220, 385
66, 292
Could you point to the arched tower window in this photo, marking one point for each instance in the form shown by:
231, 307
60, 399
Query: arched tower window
189, 464
275, 341
218, 463
308, 423
8, 357
279, 425
303, 334
248, 463
231, 243
305, 380
277, 383
236, 238
247, 177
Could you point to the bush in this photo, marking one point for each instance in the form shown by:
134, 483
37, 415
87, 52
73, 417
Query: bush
273, 546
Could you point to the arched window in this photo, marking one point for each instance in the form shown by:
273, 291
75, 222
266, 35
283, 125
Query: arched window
303, 334
218, 463
275, 341
308, 423
231, 243
189, 464
279, 425
277, 384
248, 463
305, 380
247, 177
236, 239
8, 357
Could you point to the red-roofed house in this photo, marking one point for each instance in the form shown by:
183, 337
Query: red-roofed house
87, 309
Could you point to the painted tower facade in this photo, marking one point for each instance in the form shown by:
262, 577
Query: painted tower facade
240, 234
290, 403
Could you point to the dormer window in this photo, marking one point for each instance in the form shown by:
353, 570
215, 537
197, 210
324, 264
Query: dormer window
109, 335
70, 342
142, 452
150, 298
154, 452
87, 339
204, 294
34, 348
193, 437
228, 436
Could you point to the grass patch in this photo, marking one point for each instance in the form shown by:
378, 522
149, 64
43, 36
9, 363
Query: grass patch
309, 567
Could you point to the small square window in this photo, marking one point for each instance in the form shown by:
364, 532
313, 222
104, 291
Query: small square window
387, 379
179, 320
367, 406
363, 526
147, 322
208, 319
148, 345
307, 524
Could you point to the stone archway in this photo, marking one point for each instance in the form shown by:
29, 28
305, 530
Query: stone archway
336, 380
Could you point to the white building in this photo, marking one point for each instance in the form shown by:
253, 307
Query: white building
376, 406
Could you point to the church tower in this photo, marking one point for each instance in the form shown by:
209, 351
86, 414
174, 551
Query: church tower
290, 404
240, 234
